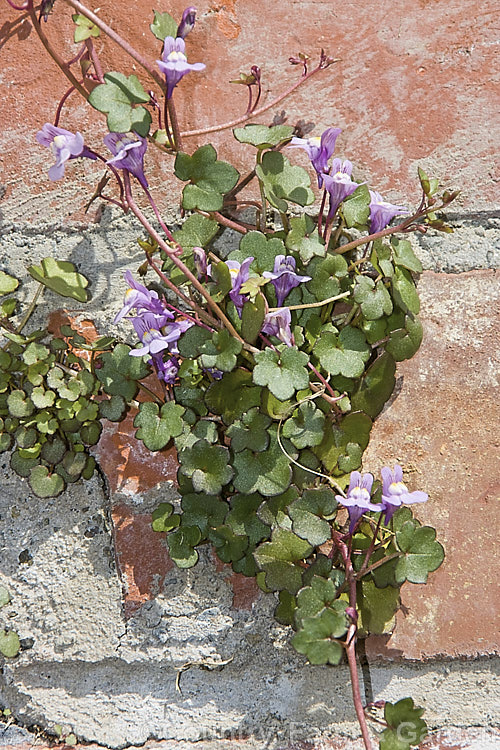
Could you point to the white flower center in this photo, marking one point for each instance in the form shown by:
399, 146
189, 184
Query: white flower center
176, 56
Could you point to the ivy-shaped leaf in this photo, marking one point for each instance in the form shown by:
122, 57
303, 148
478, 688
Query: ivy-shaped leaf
220, 352
85, 29
230, 547
316, 638
250, 432
404, 342
267, 472
422, 554
279, 557
404, 291
252, 318
164, 519
113, 408
7, 283
10, 644
263, 251
19, 404
305, 426
373, 297
404, 255
283, 182
117, 97
311, 514
120, 372
203, 511
303, 238
45, 484
209, 179
62, 277
262, 136
344, 354
356, 209
197, 231
377, 608
319, 594
207, 466
243, 518
405, 727
156, 427
163, 25
233, 395
181, 546
376, 386
282, 371
325, 276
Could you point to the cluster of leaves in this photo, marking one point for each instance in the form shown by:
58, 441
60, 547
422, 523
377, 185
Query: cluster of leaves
51, 398
10, 644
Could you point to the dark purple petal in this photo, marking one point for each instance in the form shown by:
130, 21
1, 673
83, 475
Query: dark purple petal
239, 274
139, 297
284, 278
187, 22
128, 153
319, 149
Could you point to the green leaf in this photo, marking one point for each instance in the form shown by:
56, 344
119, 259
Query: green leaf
315, 639
405, 725
209, 178
319, 594
85, 29
113, 408
207, 466
230, 547
7, 283
344, 354
325, 273
22, 466
404, 291
356, 209
61, 277
243, 519
203, 511
285, 611
278, 559
274, 510
19, 404
262, 136
156, 427
4, 596
7, 307
9, 643
282, 371
376, 386
345, 443
233, 395
374, 299
197, 231
263, 250
404, 255
163, 25
267, 472
305, 426
120, 372
221, 351
283, 182
405, 342
181, 544
429, 184
303, 237
53, 450
45, 484
42, 398
250, 432
252, 318
116, 98
164, 519
308, 514
377, 608
422, 554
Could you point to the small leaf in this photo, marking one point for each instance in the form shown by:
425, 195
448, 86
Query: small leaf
303, 237
209, 178
45, 484
85, 29
61, 277
233, 395
267, 472
376, 386
344, 354
356, 209
113, 408
262, 136
221, 351
156, 427
404, 342
163, 25
283, 182
7, 283
278, 559
252, 318
374, 299
263, 250
316, 637
305, 426
250, 432
207, 466
116, 98
10, 644
164, 519
120, 372
404, 291
4, 596
422, 554
197, 231
282, 371
181, 544
404, 255
308, 514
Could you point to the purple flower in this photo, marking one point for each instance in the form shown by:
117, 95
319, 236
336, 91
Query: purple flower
64, 145
395, 493
339, 184
382, 213
166, 370
277, 323
319, 149
284, 278
239, 274
357, 501
187, 22
128, 153
140, 298
200, 262
174, 63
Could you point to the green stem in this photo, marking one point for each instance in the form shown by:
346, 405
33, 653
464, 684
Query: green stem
379, 563
31, 308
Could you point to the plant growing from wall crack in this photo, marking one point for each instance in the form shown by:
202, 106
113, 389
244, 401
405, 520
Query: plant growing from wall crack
270, 362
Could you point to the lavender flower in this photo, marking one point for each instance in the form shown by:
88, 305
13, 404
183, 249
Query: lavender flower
339, 184
200, 262
141, 298
284, 278
395, 493
319, 149
174, 63
239, 274
277, 323
128, 153
64, 145
382, 213
357, 501
187, 22
166, 370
